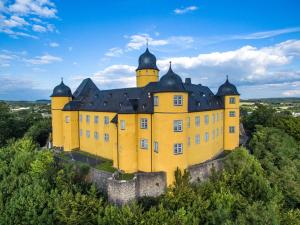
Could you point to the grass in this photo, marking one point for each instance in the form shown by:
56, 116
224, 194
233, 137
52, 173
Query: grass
106, 166
125, 176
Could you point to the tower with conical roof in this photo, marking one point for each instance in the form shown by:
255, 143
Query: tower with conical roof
147, 70
60, 97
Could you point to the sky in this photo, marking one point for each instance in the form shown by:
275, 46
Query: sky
256, 43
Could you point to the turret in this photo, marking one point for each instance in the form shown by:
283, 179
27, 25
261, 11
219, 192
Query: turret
60, 97
231, 101
147, 70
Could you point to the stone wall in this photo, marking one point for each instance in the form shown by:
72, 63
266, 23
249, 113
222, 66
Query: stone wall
202, 171
99, 178
121, 191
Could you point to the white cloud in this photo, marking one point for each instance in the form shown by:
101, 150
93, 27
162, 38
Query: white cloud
185, 10
54, 44
45, 59
39, 28
14, 21
114, 52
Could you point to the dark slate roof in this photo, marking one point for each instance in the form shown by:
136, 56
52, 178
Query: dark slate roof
171, 81
88, 97
227, 89
61, 90
147, 61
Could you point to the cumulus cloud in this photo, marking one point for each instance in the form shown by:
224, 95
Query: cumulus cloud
114, 52
185, 10
44, 59
16, 17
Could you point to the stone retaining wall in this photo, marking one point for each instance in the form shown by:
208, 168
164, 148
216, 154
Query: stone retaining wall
99, 178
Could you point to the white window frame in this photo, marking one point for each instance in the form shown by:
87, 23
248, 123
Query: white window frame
106, 137
87, 133
122, 124
206, 119
231, 129
197, 139
96, 119
87, 118
96, 135
155, 100
144, 123
177, 125
155, 146
144, 143
106, 120
68, 120
197, 121
232, 100
178, 100
80, 132
178, 148
231, 113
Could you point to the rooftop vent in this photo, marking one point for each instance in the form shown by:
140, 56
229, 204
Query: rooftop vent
188, 81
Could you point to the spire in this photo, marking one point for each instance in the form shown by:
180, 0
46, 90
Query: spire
62, 80
147, 42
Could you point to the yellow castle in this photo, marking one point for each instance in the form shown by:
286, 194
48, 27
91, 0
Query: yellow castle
159, 125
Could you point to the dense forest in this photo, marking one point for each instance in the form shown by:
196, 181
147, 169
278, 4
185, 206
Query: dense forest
260, 184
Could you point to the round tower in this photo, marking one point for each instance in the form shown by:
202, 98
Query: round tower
147, 70
60, 97
231, 127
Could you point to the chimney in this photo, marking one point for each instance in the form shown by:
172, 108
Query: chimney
188, 81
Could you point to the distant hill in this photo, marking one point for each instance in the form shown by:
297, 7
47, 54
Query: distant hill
273, 100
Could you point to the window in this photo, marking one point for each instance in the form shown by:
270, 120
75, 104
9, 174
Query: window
177, 125
232, 113
232, 100
206, 119
122, 124
143, 123
221, 115
67, 119
106, 120
206, 137
177, 100
213, 118
87, 133
106, 137
197, 139
189, 141
80, 118
197, 121
144, 144
231, 129
188, 122
96, 135
80, 132
96, 119
87, 118
217, 117
155, 99
178, 148
156, 146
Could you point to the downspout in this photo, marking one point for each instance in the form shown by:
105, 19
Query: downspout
118, 161
78, 130
151, 144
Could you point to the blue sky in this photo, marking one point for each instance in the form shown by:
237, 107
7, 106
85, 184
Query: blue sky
257, 43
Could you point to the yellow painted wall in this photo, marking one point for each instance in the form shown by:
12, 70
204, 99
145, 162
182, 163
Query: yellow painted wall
231, 141
145, 76
98, 147
57, 104
70, 130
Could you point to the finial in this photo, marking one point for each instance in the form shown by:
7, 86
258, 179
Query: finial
62, 79
170, 62
227, 77
147, 42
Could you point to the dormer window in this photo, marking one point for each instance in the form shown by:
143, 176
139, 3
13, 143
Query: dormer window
178, 100
232, 100
155, 99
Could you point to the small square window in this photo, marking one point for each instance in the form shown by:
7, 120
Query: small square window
87, 118
177, 125
106, 120
96, 119
231, 129
189, 141
178, 148
122, 124
206, 119
188, 122
87, 133
178, 100
232, 113
232, 100
155, 99
197, 121
80, 132
156, 146
106, 137
206, 137
144, 144
197, 139
96, 135
67, 119
144, 123
80, 118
